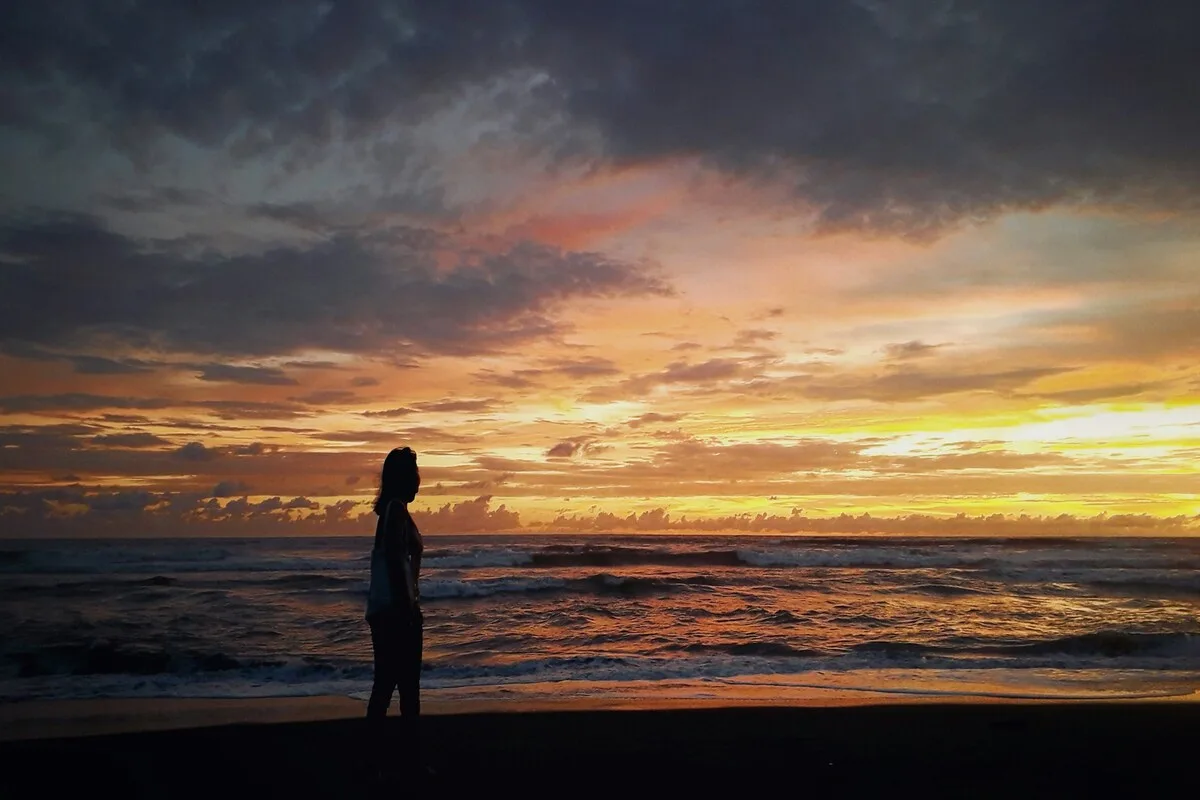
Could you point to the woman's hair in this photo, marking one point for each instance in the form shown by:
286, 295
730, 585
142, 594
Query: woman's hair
400, 479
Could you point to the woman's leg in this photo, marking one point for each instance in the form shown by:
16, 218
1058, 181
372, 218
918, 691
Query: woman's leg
386, 646
410, 686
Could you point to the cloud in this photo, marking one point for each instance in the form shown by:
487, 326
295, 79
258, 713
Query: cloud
83, 402
229, 373
302, 503
1097, 394
391, 412
891, 116
76, 401
28, 438
527, 378
98, 365
730, 462
196, 451
70, 511
563, 450
1137, 332
876, 133
752, 337
74, 511
653, 417
444, 406
129, 440
230, 489
352, 293
472, 516
518, 379
904, 351
907, 385
326, 397
706, 373
659, 519
584, 367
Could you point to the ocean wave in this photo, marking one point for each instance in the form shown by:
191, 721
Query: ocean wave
767, 649
603, 584
616, 556
75, 590
115, 671
943, 590
861, 557
1120, 580
473, 559
446, 589
1182, 647
1007, 561
108, 658
317, 581
1108, 644
1174, 584
48, 565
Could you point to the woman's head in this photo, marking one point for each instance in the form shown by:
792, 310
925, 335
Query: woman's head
400, 479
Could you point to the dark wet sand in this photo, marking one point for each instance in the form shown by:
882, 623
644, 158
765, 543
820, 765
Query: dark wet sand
923, 750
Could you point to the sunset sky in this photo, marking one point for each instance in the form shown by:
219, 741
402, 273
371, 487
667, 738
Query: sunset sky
604, 265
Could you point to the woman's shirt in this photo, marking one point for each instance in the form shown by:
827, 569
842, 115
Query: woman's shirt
401, 540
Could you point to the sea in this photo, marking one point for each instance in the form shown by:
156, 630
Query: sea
527, 619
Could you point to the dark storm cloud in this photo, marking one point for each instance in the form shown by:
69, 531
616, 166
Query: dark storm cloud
98, 365
82, 364
67, 277
901, 115
155, 199
276, 70
904, 115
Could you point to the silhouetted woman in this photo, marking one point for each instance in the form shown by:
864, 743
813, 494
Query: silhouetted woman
394, 610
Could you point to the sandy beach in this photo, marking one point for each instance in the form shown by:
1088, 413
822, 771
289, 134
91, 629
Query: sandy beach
311, 748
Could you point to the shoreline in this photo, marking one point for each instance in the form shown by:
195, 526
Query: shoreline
27, 720
967, 749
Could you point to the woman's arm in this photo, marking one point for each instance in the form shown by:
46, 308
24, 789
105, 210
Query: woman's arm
415, 546
393, 547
